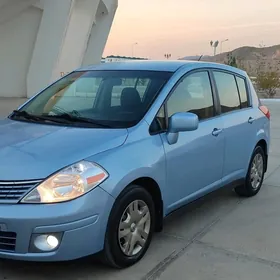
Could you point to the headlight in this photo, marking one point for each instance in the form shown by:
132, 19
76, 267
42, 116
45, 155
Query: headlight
67, 184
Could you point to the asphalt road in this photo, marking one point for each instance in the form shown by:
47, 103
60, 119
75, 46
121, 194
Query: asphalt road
219, 237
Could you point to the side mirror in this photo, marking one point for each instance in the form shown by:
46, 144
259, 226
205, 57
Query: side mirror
180, 122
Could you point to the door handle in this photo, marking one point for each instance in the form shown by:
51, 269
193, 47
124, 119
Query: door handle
251, 120
216, 131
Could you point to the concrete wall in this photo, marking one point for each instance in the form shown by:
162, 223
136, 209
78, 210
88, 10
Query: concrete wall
40, 39
17, 40
101, 28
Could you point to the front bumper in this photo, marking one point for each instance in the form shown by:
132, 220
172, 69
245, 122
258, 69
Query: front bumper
82, 222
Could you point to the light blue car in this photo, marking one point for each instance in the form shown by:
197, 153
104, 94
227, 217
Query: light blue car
93, 163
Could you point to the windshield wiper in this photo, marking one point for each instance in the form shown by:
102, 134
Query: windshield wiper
27, 116
76, 119
63, 118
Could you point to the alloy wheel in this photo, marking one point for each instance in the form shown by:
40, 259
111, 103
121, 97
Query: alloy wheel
134, 228
257, 170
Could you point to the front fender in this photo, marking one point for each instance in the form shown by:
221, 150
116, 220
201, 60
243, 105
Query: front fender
115, 187
133, 160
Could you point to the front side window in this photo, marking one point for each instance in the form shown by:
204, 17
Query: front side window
228, 92
193, 94
108, 98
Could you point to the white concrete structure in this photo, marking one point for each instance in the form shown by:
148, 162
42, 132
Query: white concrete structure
41, 39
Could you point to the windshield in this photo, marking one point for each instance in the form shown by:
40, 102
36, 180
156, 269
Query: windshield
116, 99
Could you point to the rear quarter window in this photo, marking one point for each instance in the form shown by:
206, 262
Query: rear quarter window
242, 92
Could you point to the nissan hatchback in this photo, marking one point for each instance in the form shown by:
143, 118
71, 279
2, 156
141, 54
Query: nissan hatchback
94, 162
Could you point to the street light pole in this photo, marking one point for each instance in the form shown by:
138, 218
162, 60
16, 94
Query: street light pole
167, 55
134, 44
214, 45
226, 40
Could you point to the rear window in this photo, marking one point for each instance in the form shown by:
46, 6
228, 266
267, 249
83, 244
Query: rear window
140, 85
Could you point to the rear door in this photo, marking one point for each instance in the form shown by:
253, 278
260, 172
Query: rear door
238, 120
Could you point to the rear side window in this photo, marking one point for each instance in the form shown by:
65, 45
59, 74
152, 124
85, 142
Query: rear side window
228, 92
242, 92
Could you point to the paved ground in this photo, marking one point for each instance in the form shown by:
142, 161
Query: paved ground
219, 237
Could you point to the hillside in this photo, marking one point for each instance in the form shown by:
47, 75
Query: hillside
253, 53
251, 58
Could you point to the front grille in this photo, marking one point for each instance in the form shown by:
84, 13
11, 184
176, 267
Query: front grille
12, 192
8, 241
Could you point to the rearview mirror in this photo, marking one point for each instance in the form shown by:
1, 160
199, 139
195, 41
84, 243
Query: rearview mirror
115, 81
180, 122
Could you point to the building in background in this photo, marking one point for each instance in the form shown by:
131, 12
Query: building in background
114, 58
40, 40
111, 59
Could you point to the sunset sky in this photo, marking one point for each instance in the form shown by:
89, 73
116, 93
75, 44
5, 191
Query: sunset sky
185, 27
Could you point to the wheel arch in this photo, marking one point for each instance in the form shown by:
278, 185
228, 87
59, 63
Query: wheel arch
263, 144
152, 187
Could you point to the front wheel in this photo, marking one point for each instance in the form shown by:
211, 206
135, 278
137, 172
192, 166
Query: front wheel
255, 175
130, 228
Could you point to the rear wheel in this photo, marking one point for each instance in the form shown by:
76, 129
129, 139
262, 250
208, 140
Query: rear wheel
255, 175
130, 228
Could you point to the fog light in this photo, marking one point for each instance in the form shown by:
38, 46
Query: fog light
52, 241
46, 242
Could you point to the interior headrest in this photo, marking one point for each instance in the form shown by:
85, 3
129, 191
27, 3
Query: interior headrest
130, 98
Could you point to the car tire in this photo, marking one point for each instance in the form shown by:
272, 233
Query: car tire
255, 174
130, 228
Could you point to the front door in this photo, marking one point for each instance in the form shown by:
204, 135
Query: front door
195, 161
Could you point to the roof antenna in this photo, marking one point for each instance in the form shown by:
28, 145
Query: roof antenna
200, 57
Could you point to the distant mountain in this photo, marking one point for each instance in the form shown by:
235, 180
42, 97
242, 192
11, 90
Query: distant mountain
252, 53
249, 58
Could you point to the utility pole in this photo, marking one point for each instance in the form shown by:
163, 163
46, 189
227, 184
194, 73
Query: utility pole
226, 40
133, 45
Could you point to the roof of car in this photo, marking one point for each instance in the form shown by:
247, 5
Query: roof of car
154, 65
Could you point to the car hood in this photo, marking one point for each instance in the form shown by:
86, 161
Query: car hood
31, 151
